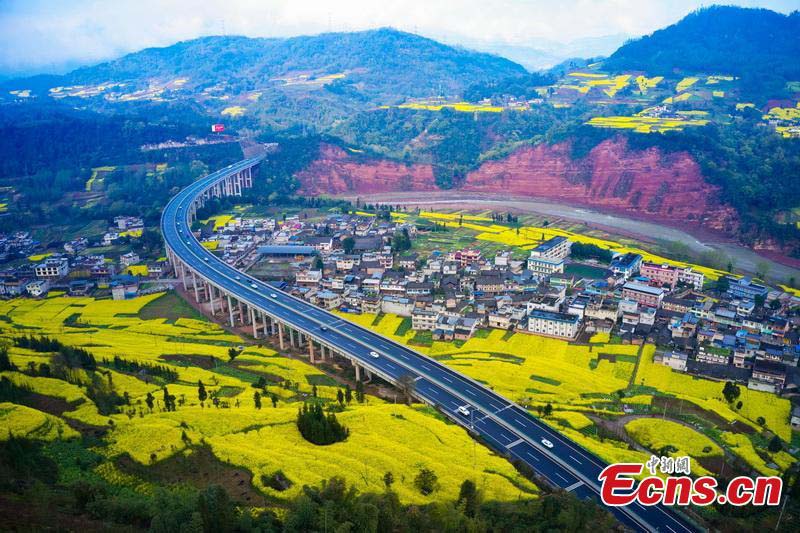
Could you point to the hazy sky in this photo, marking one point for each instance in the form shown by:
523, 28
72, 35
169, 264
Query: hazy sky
48, 35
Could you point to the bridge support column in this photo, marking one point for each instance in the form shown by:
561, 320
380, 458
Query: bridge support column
254, 323
358, 371
230, 310
280, 336
291, 338
194, 283
183, 276
264, 324
211, 297
311, 351
241, 313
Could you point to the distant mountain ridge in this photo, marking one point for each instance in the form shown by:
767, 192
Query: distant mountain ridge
758, 45
375, 61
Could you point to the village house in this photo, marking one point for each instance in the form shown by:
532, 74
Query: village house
128, 259
37, 287
557, 248
423, 320
675, 360
644, 294
767, 376
626, 264
660, 274
561, 325
545, 266
52, 267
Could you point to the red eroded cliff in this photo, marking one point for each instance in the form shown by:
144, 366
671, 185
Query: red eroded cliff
647, 184
336, 172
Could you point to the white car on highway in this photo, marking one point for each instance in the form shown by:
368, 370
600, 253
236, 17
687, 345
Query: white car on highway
463, 410
374, 354
547, 443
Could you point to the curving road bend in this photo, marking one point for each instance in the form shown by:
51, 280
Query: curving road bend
504, 425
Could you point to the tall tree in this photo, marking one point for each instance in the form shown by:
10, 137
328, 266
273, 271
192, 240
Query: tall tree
202, 395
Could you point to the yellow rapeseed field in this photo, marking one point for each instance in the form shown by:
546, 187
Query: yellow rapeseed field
464, 107
21, 421
527, 237
137, 270
685, 83
743, 447
233, 111
643, 124
220, 221
655, 433
383, 437
708, 395
644, 83
578, 380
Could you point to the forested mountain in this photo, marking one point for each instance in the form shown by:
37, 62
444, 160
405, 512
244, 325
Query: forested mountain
758, 45
376, 62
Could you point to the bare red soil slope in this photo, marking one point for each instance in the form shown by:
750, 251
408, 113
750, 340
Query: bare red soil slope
336, 172
647, 184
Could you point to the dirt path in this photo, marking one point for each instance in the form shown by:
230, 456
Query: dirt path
635, 372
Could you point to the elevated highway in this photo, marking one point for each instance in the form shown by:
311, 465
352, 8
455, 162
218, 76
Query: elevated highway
504, 425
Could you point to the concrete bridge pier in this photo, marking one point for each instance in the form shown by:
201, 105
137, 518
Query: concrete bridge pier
211, 297
264, 326
194, 284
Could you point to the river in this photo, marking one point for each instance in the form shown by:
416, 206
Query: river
742, 257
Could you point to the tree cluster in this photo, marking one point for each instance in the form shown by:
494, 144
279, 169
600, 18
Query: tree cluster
318, 427
135, 367
70, 356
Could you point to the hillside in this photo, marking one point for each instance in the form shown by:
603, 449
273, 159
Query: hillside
758, 45
612, 176
364, 65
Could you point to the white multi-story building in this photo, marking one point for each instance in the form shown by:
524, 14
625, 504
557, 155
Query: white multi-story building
37, 288
561, 325
308, 277
554, 248
52, 267
675, 360
423, 320
131, 258
545, 266
690, 277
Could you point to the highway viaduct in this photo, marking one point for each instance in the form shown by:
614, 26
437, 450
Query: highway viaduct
270, 312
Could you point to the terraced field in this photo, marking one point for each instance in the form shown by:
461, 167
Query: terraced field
383, 438
589, 385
